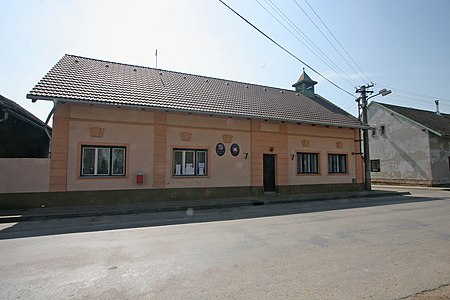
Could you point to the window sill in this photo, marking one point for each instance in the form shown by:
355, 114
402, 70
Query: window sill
103, 177
309, 174
190, 176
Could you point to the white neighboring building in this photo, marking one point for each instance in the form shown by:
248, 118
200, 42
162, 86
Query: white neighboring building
409, 146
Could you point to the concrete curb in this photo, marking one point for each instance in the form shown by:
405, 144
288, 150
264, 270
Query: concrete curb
264, 200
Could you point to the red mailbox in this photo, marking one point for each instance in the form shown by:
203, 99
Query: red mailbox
140, 178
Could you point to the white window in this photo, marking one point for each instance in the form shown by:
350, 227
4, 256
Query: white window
103, 161
307, 163
337, 163
190, 162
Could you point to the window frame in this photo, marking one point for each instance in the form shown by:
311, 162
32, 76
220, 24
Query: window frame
377, 164
339, 168
200, 169
374, 132
110, 173
300, 155
382, 130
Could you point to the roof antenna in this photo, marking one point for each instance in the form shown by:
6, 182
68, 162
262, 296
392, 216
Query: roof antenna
156, 58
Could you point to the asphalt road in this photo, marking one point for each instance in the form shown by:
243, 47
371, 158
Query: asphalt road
366, 249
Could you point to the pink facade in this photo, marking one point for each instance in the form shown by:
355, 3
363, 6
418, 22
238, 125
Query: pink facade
150, 139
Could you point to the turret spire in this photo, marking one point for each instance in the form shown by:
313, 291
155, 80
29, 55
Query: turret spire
305, 85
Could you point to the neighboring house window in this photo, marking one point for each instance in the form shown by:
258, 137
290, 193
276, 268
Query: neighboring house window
103, 161
307, 163
374, 132
382, 130
375, 165
190, 162
337, 163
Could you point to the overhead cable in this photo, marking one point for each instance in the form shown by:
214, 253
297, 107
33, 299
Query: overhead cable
284, 49
342, 47
413, 93
318, 52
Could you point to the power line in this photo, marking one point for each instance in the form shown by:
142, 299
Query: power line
414, 93
348, 102
411, 101
324, 58
317, 27
284, 49
336, 68
416, 102
346, 52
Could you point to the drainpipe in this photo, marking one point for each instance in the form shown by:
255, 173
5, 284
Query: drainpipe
55, 103
5, 116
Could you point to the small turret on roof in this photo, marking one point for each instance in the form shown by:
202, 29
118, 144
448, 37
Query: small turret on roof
305, 85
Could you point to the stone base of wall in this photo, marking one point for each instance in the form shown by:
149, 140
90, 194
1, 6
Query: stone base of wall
411, 182
320, 188
176, 196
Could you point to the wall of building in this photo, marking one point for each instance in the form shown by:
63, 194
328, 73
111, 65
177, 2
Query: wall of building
186, 131
265, 136
21, 175
151, 136
119, 127
403, 151
324, 141
440, 160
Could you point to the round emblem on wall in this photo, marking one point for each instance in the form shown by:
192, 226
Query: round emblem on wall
220, 149
235, 149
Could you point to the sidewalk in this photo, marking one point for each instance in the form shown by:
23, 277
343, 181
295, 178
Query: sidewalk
20, 215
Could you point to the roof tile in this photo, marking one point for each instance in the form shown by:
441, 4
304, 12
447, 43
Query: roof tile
439, 123
76, 78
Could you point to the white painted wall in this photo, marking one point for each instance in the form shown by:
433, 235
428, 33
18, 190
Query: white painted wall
404, 150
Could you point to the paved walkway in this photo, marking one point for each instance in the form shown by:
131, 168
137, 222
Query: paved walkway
19, 215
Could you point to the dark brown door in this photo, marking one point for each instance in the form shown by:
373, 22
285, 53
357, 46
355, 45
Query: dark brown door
269, 172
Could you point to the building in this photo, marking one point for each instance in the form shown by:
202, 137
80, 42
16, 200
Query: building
159, 133
409, 146
24, 150
22, 135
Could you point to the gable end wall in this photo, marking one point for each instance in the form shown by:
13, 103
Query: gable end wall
403, 151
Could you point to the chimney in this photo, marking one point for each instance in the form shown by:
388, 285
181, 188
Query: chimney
437, 107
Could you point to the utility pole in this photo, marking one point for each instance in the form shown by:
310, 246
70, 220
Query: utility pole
363, 90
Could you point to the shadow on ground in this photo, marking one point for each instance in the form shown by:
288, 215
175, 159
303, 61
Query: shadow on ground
54, 226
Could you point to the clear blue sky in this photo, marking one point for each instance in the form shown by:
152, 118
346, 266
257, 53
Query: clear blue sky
402, 44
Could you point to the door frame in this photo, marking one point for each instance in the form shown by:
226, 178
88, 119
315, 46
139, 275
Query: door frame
272, 186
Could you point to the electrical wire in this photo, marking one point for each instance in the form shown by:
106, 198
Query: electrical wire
317, 27
323, 57
412, 93
416, 102
342, 47
284, 49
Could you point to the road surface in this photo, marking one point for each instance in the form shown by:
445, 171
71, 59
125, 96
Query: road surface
367, 249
